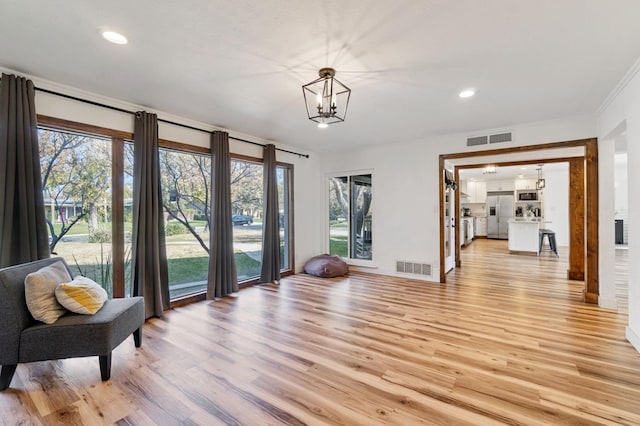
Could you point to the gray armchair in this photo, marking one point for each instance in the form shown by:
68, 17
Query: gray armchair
23, 339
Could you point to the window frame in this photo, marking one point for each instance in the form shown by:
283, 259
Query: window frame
290, 217
118, 139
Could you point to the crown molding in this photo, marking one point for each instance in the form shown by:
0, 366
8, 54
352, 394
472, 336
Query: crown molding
622, 84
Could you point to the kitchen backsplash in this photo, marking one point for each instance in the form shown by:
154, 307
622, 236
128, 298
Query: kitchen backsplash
477, 209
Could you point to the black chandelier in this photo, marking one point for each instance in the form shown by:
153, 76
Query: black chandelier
326, 98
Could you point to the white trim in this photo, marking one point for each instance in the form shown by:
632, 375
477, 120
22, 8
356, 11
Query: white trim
608, 303
633, 338
360, 263
631, 73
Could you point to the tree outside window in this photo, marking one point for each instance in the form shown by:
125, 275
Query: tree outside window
351, 216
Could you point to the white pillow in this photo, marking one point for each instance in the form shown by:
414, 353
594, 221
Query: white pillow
82, 295
39, 291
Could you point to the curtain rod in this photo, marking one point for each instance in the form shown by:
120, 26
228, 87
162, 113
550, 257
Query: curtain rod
186, 126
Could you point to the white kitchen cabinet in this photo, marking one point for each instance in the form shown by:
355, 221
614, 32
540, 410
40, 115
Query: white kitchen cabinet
480, 192
480, 226
525, 184
463, 186
477, 191
500, 185
523, 235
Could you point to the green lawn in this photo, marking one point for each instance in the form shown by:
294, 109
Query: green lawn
82, 227
338, 245
194, 269
191, 269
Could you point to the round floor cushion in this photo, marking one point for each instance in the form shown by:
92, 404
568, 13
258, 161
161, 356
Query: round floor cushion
326, 266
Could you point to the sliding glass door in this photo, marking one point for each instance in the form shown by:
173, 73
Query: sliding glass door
351, 216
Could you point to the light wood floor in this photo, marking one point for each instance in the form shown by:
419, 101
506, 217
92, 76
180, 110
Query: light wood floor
506, 341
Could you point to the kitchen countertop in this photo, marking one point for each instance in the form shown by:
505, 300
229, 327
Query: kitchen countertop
528, 220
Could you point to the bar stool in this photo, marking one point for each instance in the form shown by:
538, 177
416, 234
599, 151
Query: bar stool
551, 237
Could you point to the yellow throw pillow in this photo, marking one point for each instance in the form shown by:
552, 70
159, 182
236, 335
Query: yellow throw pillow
82, 296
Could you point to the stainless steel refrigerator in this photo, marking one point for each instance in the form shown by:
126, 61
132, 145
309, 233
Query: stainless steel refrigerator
500, 209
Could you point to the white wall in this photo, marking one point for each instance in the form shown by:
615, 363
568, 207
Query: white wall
621, 197
405, 208
606, 222
556, 203
307, 185
623, 109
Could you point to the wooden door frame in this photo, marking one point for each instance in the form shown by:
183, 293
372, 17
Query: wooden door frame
590, 146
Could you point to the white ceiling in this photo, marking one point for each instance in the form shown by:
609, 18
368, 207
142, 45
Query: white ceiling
240, 64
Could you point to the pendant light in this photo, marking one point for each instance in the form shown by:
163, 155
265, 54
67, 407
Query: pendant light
326, 98
540, 181
490, 170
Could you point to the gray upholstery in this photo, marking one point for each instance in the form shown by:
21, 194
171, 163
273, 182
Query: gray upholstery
23, 339
75, 335
14, 315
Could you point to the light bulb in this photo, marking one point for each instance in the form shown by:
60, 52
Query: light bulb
322, 125
113, 36
467, 93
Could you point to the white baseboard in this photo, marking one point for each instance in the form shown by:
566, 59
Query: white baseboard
608, 303
633, 338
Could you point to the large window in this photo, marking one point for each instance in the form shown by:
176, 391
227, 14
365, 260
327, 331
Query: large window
350, 216
76, 179
88, 191
247, 211
186, 188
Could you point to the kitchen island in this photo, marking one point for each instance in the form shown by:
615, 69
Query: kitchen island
523, 234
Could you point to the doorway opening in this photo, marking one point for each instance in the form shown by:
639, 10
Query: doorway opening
583, 262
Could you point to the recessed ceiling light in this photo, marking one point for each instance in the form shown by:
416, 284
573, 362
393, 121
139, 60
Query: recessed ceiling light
467, 93
523, 168
113, 36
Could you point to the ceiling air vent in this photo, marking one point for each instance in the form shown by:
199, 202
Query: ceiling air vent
501, 137
477, 140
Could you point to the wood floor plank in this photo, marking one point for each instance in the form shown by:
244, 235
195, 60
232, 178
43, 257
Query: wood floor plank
507, 340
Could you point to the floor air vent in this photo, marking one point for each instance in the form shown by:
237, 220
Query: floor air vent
413, 268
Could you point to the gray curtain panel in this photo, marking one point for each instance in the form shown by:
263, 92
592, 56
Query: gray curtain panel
223, 279
149, 276
270, 270
23, 231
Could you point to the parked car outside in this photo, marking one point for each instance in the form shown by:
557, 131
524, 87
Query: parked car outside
241, 219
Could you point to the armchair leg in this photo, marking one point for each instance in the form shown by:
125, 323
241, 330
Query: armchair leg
105, 366
6, 375
137, 337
